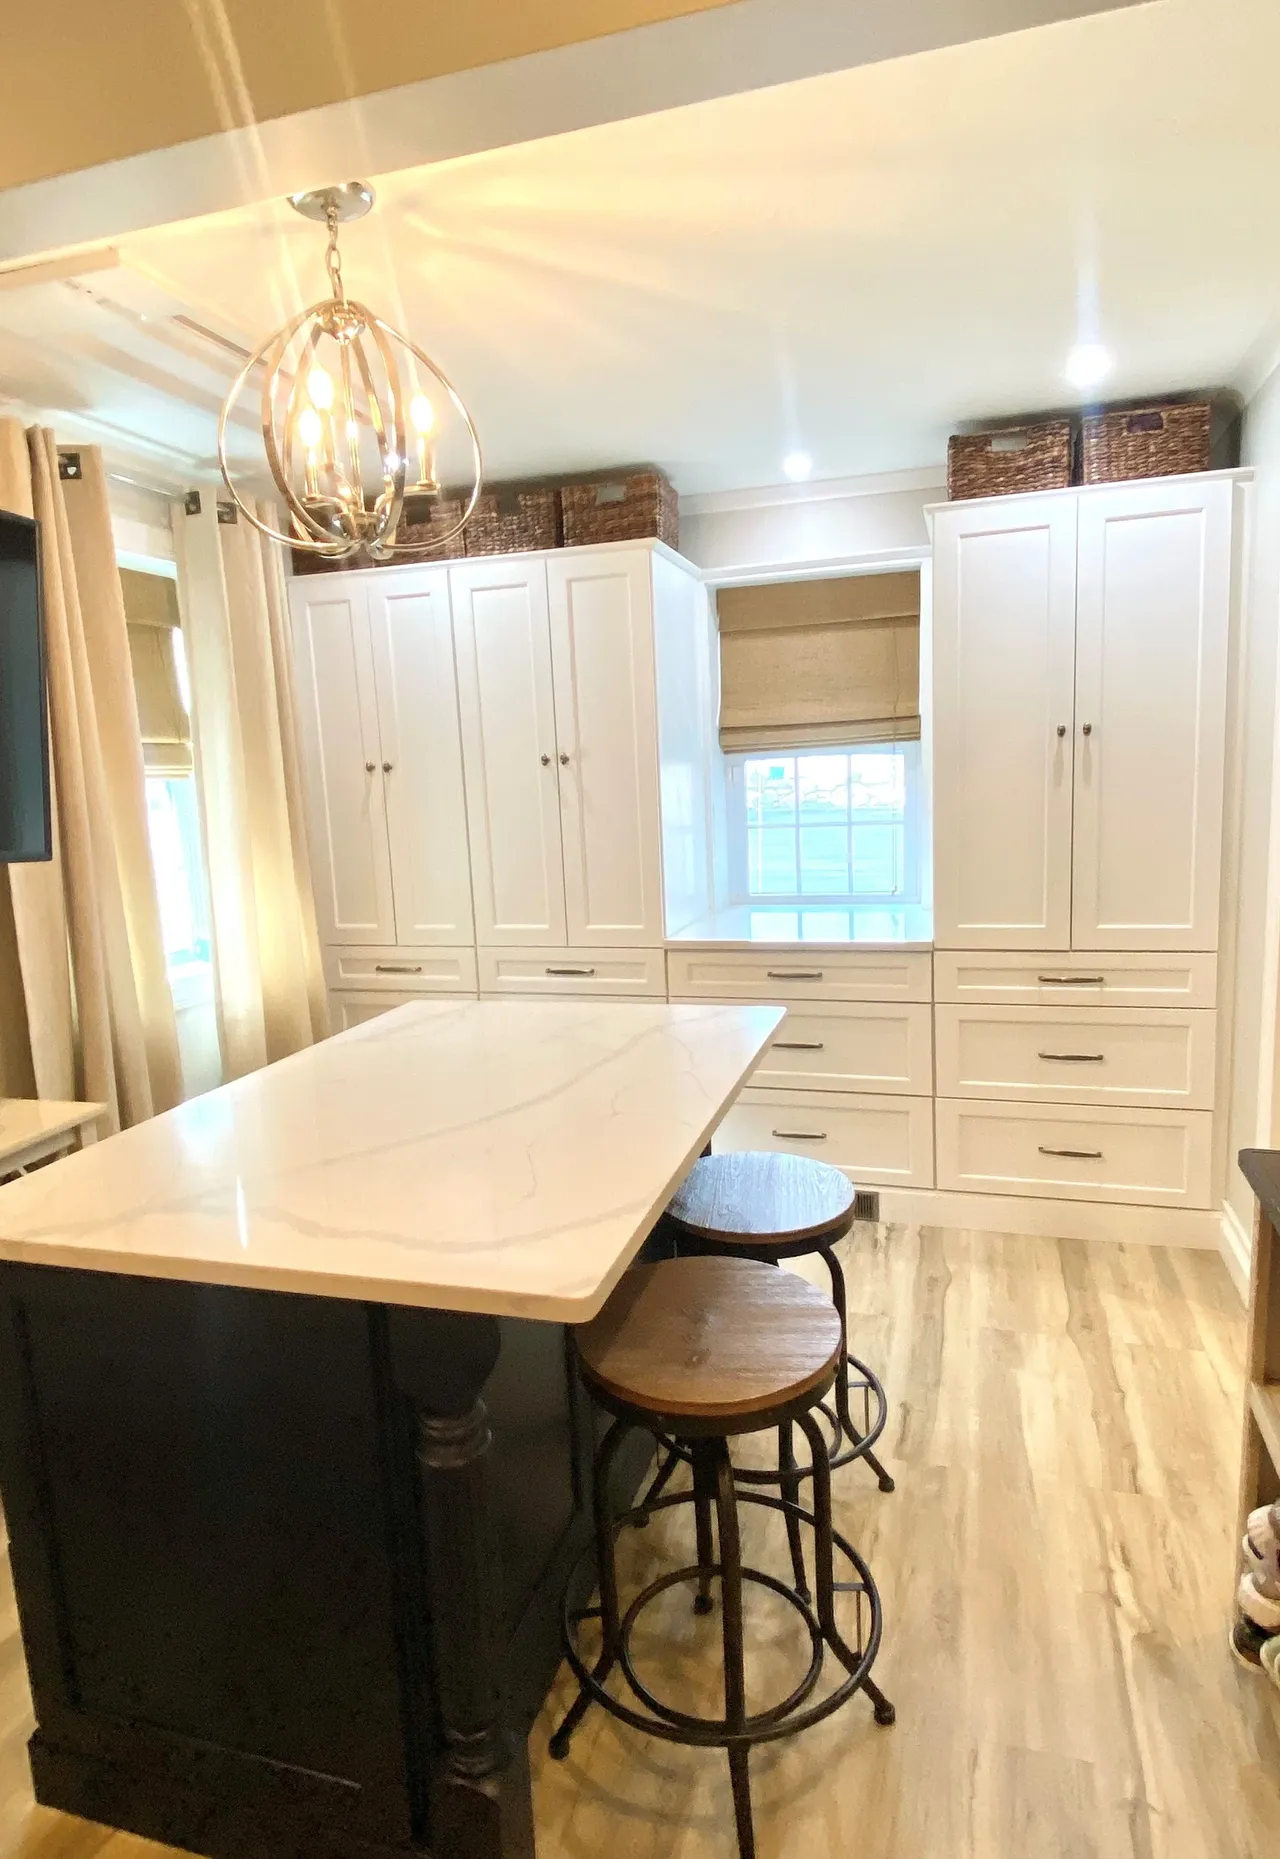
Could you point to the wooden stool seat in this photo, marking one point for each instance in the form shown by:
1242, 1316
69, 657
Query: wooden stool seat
764, 1198
711, 1343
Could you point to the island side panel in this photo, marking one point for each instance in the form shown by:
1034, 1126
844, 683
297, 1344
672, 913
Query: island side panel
220, 1552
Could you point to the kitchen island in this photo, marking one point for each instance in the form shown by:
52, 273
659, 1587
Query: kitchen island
292, 1454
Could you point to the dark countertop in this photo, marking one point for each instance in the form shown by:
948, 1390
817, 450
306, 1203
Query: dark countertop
1261, 1169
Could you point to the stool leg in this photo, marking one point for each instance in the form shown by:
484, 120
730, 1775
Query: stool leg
789, 1488
840, 1301
661, 1479
607, 1581
704, 1492
735, 1685
824, 1559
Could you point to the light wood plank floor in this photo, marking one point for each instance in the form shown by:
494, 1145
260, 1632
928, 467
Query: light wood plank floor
1056, 1567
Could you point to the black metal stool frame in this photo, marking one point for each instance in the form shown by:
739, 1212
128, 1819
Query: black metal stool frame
716, 1487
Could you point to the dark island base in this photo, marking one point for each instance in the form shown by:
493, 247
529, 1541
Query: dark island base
288, 1568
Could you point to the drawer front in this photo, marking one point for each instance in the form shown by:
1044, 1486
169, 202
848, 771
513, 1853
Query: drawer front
350, 1007
793, 975
879, 1141
408, 971
619, 973
1089, 1056
1031, 980
869, 1046
1149, 1157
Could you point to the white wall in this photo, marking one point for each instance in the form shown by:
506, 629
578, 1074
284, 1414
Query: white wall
791, 523
1251, 891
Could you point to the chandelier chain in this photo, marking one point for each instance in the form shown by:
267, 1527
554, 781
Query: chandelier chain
333, 257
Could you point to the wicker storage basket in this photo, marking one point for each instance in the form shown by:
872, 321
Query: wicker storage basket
1020, 458
629, 508
1146, 442
508, 519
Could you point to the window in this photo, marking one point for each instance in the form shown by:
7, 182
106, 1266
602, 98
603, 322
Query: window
826, 825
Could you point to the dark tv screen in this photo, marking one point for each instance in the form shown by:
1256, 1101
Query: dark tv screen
24, 739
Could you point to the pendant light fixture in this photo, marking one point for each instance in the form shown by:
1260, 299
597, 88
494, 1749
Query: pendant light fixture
350, 413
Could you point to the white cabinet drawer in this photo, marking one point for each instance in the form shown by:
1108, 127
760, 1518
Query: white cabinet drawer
411, 971
1030, 980
1089, 1056
864, 1046
1149, 1157
884, 1141
796, 975
619, 973
350, 1007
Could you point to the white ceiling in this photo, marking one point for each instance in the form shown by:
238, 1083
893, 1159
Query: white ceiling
848, 265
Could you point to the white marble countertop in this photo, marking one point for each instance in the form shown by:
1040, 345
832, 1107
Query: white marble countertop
827, 926
499, 1156
33, 1123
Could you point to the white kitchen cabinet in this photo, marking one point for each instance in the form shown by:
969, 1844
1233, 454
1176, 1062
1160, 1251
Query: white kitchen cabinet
1154, 1158
503, 641
378, 718
342, 752
602, 659
1079, 697
881, 1141
1003, 702
1153, 594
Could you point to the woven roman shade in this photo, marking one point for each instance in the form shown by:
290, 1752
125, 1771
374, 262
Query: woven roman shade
808, 664
151, 608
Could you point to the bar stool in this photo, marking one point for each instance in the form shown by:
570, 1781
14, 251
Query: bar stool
705, 1350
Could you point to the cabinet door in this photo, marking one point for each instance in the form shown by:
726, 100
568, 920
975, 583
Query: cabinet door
1003, 676
342, 754
509, 751
417, 691
607, 736
1151, 655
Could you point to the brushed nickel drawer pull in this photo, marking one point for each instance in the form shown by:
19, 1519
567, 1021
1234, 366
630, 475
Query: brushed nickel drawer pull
570, 971
794, 974
1074, 1155
397, 968
802, 1136
1075, 1058
1073, 981
798, 1045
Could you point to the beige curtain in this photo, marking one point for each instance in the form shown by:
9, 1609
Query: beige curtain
805, 664
85, 1000
269, 984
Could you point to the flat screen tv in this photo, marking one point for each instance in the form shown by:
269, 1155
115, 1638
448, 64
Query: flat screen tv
25, 826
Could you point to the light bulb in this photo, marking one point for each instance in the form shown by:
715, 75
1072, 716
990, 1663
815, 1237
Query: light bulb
310, 428
320, 388
422, 414
797, 466
1088, 364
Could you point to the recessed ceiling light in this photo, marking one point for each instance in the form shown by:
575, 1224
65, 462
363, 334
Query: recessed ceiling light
797, 466
1088, 364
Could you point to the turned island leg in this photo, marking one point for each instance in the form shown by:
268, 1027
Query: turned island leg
480, 1802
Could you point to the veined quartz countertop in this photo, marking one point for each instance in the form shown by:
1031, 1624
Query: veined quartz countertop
829, 926
498, 1156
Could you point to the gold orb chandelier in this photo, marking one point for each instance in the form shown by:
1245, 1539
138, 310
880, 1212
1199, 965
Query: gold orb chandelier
349, 416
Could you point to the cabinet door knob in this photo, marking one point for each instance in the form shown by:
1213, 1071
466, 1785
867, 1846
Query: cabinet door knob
1062, 730
564, 759
545, 760
386, 768
1088, 729
370, 768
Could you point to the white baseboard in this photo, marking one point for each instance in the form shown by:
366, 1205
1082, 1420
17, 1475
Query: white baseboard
1191, 1227
1236, 1247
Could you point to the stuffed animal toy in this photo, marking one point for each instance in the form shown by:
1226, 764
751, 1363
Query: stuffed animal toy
1255, 1637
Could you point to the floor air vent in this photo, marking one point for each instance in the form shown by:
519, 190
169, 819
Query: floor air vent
866, 1205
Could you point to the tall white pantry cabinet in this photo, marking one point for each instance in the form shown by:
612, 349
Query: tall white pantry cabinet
1080, 665
491, 803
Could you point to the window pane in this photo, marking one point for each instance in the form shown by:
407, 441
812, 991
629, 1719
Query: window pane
777, 788
879, 781
771, 861
824, 860
823, 782
877, 859
175, 854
